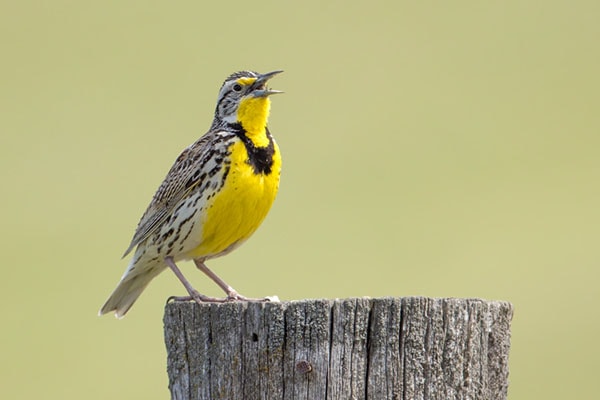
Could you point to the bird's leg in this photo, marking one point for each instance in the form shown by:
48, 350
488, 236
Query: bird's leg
194, 294
232, 294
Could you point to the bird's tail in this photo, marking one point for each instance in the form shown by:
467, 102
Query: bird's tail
131, 286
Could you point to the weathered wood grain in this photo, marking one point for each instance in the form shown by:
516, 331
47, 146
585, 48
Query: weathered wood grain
360, 348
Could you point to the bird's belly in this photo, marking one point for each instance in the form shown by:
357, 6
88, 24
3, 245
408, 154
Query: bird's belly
235, 211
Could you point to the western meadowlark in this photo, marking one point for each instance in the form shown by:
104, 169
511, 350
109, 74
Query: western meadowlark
213, 198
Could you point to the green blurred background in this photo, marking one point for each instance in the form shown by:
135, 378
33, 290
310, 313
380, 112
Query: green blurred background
430, 148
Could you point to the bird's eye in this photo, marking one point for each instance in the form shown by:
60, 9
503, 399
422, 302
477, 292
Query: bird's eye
237, 87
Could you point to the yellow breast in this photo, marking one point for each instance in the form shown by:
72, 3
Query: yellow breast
241, 205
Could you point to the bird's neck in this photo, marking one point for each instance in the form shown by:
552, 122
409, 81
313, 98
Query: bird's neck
253, 114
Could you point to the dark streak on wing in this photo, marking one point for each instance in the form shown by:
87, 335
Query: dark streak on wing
181, 179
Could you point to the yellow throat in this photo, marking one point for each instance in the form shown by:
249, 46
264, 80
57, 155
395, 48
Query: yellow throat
253, 114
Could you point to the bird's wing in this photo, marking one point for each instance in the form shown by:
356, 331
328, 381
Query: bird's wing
180, 180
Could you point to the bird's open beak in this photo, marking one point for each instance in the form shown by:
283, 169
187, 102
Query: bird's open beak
260, 90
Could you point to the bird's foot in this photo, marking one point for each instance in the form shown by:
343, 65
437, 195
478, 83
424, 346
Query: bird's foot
235, 296
231, 297
198, 298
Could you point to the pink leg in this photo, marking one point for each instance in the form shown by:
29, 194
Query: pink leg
194, 294
232, 294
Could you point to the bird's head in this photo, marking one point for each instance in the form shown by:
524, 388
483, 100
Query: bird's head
244, 99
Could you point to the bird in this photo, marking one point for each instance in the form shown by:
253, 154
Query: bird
214, 197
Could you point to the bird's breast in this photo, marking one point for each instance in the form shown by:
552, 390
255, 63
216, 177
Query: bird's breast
238, 208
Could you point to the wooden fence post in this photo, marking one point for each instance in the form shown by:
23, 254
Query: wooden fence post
358, 348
